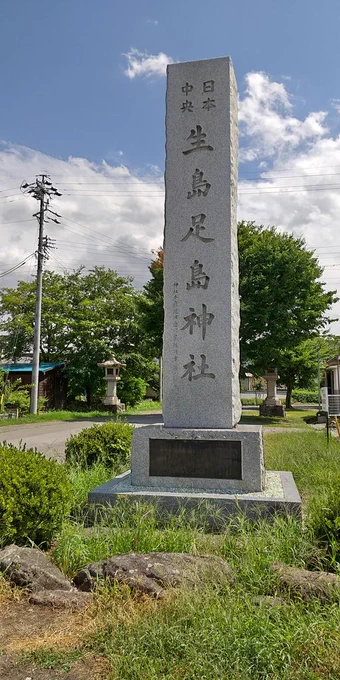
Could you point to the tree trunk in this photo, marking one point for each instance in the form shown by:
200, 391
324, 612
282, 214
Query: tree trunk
88, 395
289, 386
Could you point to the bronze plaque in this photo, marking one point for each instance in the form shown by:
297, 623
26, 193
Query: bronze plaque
206, 459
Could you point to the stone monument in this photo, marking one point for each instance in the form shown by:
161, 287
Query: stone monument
271, 405
112, 370
201, 451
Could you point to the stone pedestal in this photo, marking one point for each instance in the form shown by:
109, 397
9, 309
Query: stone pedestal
209, 458
272, 405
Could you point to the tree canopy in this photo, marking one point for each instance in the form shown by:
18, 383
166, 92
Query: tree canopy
283, 302
84, 319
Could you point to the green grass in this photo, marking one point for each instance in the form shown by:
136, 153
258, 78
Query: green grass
211, 633
295, 418
143, 406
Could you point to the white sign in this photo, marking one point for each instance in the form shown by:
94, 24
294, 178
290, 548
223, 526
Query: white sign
324, 399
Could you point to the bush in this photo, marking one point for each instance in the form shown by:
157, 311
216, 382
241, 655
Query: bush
131, 390
325, 524
35, 496
305, 396
109, 444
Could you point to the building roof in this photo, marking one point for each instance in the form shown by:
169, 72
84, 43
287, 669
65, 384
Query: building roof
112, 361
27, 368
333, 362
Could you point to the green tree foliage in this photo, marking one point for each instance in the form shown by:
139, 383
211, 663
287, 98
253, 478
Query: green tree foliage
84, 319
151, 306
282, 301
283, 304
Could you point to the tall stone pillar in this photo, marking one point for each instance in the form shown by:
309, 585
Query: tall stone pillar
201, 451
201, 329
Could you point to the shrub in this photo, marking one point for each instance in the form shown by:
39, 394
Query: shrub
109, 444
131, 390
35, 496
305, 396
325, 522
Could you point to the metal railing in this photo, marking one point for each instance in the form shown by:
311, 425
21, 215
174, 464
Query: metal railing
334, 404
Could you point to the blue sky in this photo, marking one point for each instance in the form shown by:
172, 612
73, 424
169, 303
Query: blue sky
83, 97
63, 87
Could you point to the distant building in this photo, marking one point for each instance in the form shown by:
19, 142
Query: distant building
52, 380
333, 375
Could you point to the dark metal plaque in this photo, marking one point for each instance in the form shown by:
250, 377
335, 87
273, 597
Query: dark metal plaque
206, 459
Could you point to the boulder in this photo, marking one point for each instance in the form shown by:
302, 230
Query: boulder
268, 601
61, 599
154, 572
30, 568
307, 584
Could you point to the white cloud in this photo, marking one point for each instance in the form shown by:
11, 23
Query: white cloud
153, 22
300, 192
266, 119
336, 104
297, 188
146, 65
109, 216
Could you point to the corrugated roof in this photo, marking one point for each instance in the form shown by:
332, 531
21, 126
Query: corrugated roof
27, 368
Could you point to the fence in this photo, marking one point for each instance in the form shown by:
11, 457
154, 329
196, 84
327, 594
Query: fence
334, 404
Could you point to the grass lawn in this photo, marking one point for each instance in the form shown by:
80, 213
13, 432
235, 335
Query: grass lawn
143, 406
294, 418
212, 633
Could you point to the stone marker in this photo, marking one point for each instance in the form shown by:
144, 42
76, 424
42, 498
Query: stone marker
272, 406
201, 451
201, 301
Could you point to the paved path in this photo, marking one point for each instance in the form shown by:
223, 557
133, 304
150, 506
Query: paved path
50, 437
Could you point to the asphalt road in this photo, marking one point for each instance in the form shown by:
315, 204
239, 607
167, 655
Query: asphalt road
50, 437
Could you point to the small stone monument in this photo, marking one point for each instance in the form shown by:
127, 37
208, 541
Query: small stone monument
201, 451
112, 370
271, 405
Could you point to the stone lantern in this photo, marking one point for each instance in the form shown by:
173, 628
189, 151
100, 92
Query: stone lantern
272, 405
112, 369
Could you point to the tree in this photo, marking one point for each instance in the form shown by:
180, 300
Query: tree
283, 303
151, 306
298, 367
84, 319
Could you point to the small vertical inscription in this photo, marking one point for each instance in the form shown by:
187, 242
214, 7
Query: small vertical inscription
175, 310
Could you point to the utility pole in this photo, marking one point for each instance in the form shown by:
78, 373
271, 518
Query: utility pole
42, 190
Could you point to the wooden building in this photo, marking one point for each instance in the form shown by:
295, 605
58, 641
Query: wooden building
52, 380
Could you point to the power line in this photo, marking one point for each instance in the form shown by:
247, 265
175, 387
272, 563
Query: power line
16, 222
108, 238
17, 266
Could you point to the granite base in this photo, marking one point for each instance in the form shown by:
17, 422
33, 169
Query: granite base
279, 496
272, 410
176, 457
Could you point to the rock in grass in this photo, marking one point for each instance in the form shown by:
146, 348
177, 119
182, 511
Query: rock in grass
154, 572
31, 569
268, 601
61, 599
308, 584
